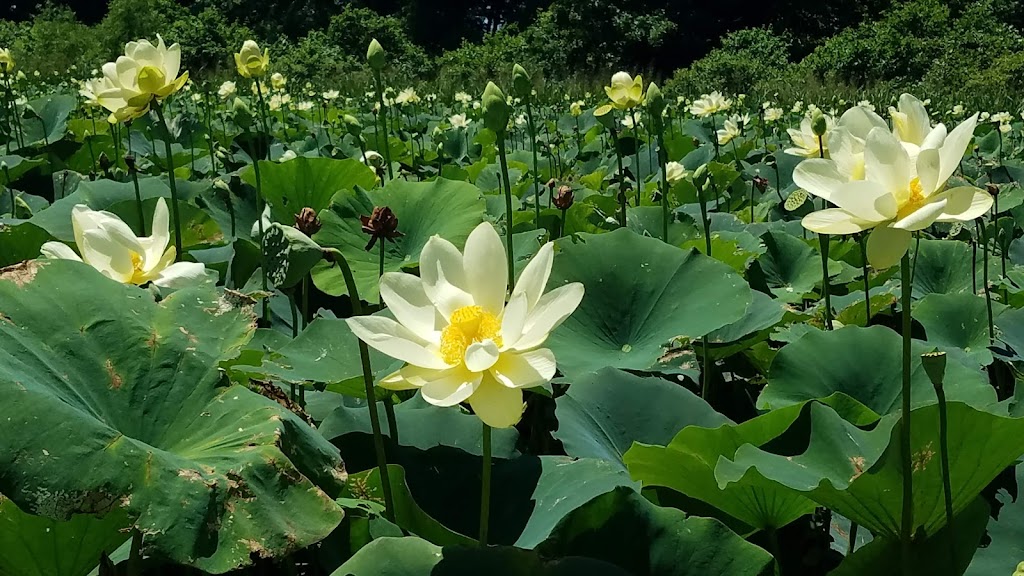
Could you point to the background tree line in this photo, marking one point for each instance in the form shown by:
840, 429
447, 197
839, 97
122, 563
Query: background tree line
943, 46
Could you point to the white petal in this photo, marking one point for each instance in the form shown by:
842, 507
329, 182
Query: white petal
399, 379
952, 151
391, 338
444, 279
58, 251
481, 356
181, 275
553, 308
525, 370
935, 138
886, 162
965, 204
859, 121
513, 320
924, 216
160, 235
928, 170
865, 200
108, 256
405, 297
835, 221
496, 405
450, 387
819, 177
486, 267
886, 246
535, 276
916, 124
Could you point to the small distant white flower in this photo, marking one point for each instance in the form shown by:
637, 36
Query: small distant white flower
459, 121
227, 90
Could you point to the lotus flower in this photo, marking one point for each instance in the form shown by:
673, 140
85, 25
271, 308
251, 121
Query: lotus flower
109, 245
459, 339
251, 62
145, 73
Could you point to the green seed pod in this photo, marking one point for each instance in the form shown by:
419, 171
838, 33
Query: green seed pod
934, 366
376, 57
521, 83
495, 107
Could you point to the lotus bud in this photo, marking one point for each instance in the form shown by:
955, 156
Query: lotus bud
241, 114
521, 83
129, 161
818, 124
496, 109
700, 176
250, 61
221, 185
352, 124
376, 57
655, 100
563, 198
761, 183
105, 162
552, 184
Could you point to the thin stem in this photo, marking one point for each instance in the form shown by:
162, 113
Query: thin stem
636, 154
980, 224
622, 178
508, 212
536, 170
384, 121
947, 488
305, 301
862, 239
485, 486
663, 161
907, 525
371, 396
823, 245
853, 538
776, 551
380, 269
263, 253
175, 216
705, 221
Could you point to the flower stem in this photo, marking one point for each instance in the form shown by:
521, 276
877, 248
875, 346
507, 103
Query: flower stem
622, 178
853, 538
135, 556
175, 216
485, 486
823, 245
508, 211
383, 111
371, 396
947, 487
259, 224
636, 155
536, 170
980, 224
862, 239
663, 161
907, 525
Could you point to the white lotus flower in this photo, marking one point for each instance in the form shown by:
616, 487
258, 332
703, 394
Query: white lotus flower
674, 172
459, 121
109, 245
227, 90
772, 114
461, 342
729, 130
143, 74
897, 196
709, 104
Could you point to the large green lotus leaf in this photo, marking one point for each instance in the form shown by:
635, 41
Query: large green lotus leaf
957, 321
415, 557
737, 249
409, 516
208, 473
857, 473
1006, 548
420, 425
37, 546
325, 352
1010, 330
447, 208
687, 465
119, 197
763, 313
46, 119
866, 364
933, 555
20, 240
641, 295
624, 528
790, 267
604, 412
648, 221
17, 167
943, 267
288, 187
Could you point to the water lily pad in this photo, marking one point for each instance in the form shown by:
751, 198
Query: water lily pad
288, 187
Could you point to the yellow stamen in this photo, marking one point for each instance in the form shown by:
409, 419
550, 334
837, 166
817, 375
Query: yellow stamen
139, 275
467, 325
914, 201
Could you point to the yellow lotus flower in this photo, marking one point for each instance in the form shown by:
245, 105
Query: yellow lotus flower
278, 81
461, 342
6, 61
109, 245
729, 130
897, 196
625, 93
576, 108
250, 62
709, 104
145, 73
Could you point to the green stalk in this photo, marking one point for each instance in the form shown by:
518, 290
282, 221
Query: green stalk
371, 396
536, 170
980, 224
389, 406
862, 239
853, 538
947, 487
663, 161
485, 486
263, 252
133, 170
636, 155
907, 525
380, 100
823, 248
508, 211
175, 216
622, 178
135, 556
